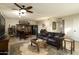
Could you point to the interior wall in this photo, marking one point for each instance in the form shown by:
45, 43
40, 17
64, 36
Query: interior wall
72, 26
48, 25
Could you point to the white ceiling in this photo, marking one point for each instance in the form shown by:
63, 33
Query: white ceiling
41, 10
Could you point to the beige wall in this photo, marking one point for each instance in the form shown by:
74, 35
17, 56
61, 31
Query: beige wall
48, 25
72, 26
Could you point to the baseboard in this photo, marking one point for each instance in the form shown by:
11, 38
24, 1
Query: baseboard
3, 53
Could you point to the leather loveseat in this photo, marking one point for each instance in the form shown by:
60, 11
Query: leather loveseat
52, 38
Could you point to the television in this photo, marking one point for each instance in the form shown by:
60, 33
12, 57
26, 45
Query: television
2, 27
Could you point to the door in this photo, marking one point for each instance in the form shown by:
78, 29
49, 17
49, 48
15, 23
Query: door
34, 29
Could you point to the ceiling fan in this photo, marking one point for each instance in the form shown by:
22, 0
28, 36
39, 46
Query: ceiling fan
27, 9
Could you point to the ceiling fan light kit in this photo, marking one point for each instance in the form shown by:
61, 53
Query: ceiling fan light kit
22, 11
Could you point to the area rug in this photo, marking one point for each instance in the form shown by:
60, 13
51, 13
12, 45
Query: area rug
25, 48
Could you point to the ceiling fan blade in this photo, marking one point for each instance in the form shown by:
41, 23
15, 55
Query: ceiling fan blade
29, 11
29, 7
17, 5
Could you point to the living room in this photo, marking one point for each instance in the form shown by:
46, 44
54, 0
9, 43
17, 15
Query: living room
48, 23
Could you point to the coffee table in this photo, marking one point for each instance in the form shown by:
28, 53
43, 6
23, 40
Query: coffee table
39, 43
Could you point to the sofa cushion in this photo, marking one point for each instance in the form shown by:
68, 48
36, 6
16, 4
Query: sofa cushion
45, 38
52, 40
43, 34
61, 34
50, 35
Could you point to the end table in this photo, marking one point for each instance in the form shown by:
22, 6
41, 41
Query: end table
72, 42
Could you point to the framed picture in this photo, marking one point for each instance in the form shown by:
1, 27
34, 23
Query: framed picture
43, 25
54, 25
